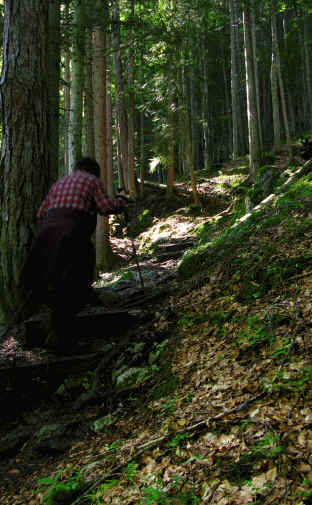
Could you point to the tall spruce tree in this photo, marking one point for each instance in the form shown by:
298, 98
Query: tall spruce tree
24, 169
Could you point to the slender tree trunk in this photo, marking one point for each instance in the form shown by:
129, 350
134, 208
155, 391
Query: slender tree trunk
24, 168
274, 91
252, 111
119, 94
89, 149
254, 49
54, 57
171, 140
75, 147
307, 61
279, 75
103, 246
142, 137
67, 88
131, 169
109, 115
238, 122
188, 149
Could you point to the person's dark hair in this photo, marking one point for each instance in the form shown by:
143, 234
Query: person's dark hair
88, 165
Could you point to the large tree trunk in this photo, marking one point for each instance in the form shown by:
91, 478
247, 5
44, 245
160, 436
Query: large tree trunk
24, 170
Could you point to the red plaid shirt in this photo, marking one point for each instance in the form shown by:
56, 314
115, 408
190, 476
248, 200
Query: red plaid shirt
80, 190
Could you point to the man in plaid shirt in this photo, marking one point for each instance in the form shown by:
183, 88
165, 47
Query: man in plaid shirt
81, 190
60, 267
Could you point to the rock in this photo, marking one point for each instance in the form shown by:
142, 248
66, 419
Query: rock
101, 424
54, 438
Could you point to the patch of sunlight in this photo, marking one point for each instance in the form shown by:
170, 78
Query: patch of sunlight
153, 164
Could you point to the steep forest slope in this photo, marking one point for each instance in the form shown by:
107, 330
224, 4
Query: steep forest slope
215, 406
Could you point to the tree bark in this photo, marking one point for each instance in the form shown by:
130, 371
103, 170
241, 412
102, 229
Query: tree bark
274, 89
252, 109
78, 54
279, 74
122, 131
104, 254
24, 168
54, 58
132, 175
89, 148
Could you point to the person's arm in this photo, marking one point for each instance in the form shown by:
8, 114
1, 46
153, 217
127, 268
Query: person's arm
104, 204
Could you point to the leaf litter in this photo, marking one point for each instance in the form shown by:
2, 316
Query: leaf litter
237, 428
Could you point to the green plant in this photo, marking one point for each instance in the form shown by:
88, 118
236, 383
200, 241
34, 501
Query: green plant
255, 333
305, 492
177, 439
114, 446
61, 492
244, 424
157, 351
295, 381
267, 446
96, 496
156, 495
130, 472
169, 407
283, 350
186, 320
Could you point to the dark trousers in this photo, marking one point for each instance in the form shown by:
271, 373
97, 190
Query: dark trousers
60, 267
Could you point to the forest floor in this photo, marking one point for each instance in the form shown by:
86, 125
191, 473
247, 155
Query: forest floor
220, 411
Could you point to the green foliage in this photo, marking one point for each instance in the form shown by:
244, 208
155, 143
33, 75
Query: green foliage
144, 221
240, 472
157, 351
61, 492
133, 377
96, 496
156, 495
285, 381
215, 247
177, 439
267, 446
130, 472
166, 387
305, 493
168, 408
255, 333
187, 320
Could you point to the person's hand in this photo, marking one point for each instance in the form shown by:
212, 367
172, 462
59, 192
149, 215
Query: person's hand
123, 198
